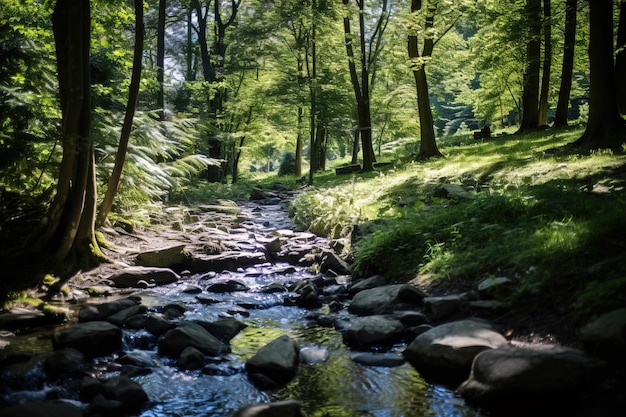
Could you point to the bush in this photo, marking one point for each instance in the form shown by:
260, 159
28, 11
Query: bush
287, 164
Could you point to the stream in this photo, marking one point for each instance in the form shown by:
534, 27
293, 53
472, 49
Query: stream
332, 384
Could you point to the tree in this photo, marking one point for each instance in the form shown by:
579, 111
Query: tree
620, 58
69, 234
567, 69
605, 128
530, 95
160, 59
547, 64
428, 144
363, 80
133, 93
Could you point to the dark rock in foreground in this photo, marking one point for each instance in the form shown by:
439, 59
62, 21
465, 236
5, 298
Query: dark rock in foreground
534, 377
48, 409
274, 364
94, 338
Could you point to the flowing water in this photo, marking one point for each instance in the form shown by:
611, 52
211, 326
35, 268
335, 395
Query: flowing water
333, 385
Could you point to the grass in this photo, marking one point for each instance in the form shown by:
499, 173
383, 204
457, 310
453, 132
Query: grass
550, 219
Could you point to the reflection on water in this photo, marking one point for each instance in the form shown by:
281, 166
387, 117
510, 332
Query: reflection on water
337, 387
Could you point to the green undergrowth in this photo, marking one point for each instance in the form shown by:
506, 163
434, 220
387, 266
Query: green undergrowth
534, 211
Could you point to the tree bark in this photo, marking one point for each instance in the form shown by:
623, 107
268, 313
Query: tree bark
190, 76
567, 69
361, 87
160, 58
606, 127
298, 167
428, 143
620, 59
69, 235
133, 93
547, 64
530, 95
208, 71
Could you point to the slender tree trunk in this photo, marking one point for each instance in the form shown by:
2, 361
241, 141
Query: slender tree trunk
236, 160
69, 235
133, 93
355, 147
190, 76
606, 127
547, 64
161, 59
620, 59
298, 167
428, 143
313, 95
208, 71
530, 95
560, 118
360, 87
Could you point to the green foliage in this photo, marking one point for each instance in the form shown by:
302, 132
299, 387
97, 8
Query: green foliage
329, 213
530, 216
287, 164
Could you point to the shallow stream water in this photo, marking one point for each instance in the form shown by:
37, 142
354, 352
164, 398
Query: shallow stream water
332, 386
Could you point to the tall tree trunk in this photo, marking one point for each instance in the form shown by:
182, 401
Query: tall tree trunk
298, 167
620, 59
69, 234
355, 146
161, 59
208, 71
560, 118
547, 64
428, 143
530, 95
237, 151
361, 87
133, 93
190, 76
219, 46
313, 94
606, 127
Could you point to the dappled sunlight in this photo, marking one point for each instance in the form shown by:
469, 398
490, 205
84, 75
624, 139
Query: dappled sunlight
559, 238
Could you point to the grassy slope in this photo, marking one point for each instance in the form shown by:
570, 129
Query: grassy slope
552, 221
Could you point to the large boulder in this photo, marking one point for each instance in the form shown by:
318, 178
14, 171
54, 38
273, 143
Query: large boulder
385, 299
370, 331
445, 306
64, 362
287, 408
119, 395
94, 338
445, 353
224, 328
606, 336
330, 261
102, 311
190, 359
142, 277
274, 364
187, 334
47, 409
24, 318
230, 285
164, 257
544, 376
368, 283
